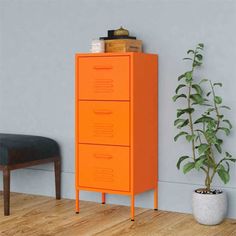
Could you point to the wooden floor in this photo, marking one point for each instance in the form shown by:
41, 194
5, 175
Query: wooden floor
37, 215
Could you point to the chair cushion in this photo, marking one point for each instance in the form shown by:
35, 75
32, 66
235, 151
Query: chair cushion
18, 148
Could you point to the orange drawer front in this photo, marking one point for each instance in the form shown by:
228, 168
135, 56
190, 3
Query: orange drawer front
104, 122
104, 78
105, 167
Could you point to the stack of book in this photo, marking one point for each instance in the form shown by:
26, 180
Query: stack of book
121, 43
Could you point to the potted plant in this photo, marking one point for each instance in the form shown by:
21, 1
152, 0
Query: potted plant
202, 123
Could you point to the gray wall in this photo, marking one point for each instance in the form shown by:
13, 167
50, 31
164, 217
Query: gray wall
38, 40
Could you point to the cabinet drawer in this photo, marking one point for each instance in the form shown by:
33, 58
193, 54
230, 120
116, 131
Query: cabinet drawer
105, 167
104, 78
104, 122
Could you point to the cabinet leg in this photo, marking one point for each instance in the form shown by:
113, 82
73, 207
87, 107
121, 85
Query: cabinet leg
103, 198
132, 208
77, 201
155, 199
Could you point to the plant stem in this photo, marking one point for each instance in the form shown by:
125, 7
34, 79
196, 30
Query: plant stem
216, 108
213, 174
189, 106
191, 122
209, 178
211, 158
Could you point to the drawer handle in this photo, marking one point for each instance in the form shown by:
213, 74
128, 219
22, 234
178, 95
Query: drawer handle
102, 67
102, 112
103, 156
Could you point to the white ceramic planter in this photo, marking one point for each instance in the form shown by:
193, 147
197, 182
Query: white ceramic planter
209, 209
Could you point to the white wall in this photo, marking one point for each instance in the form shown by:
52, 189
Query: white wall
38, 40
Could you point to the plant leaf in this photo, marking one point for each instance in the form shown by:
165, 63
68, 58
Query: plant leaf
219, 141
204, 119
209, 110
227, 154
224, 175
187, 58
197, 88
218, 84
180, 134
179, 96
188, 76
190, 137
208, 94
190, 51
188, 166
207, 105
218, 148
218, 100
181, 77
197, 98
183, 124
228, 122
218, 145
182, 111
177, 121
199, 57
179, 87
203, 80
199, 162
180, 160
228, 167
228, 159
201, 45
226, 107
203, 147
210, 135
226, 130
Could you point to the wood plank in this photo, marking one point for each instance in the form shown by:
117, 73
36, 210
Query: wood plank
39, 215
168, 224
149, 221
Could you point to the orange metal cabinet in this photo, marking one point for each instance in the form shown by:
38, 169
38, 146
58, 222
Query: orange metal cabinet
116, 124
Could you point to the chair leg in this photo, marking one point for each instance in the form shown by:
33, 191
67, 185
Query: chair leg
57, 169
6, 190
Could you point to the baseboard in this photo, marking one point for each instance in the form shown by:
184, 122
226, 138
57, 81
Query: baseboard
172, 196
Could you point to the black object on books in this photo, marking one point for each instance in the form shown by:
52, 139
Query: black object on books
110, 35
